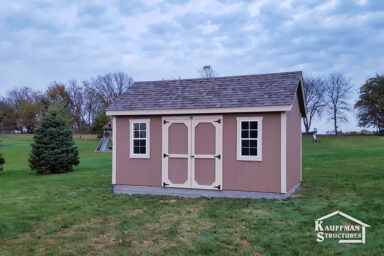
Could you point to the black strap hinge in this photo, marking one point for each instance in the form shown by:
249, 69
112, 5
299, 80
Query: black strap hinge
165, 121
165, 184
218, 121
218, 187
165, 155
218, 156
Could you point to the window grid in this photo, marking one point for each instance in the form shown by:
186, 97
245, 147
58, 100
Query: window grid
249, 138
139, 138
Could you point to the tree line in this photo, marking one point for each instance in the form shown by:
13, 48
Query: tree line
81, 104
330, 96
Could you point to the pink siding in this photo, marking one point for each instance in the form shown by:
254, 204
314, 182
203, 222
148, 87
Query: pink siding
178, 170
205, 139
136, 171
261, 176
205, 171
293, 145
178, 139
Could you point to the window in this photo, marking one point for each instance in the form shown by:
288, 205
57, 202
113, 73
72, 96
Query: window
139, 138
249, 138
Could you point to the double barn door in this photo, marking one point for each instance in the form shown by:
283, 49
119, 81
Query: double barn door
192, 152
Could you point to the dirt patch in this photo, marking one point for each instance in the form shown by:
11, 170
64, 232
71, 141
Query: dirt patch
297, 195
258, 254
253, 212
85, 136
19, 135
103, 241
169, 201
137, 212
290, 222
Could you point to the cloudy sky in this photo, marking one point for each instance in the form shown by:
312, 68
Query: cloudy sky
42, 41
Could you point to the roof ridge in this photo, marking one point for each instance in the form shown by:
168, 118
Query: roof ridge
219, 77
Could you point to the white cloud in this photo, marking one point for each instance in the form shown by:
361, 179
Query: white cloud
362, 2
152, 2
254, 8
130, 59
208, 28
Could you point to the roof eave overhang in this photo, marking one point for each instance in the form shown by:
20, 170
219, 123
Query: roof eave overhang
304, 114
282, 108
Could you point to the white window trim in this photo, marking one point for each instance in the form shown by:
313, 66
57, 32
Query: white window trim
259, 139
148, 138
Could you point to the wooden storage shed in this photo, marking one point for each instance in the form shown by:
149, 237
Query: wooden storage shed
237, 136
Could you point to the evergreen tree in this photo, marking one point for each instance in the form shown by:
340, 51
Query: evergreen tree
53, 150
2, 162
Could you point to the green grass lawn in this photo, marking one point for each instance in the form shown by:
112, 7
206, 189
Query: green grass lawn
77, 213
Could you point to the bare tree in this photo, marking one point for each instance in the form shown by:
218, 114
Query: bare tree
337, 93
110, 86
18, 96
314, 94
76, 93
92, 105
207, 72
8, 116
29, 105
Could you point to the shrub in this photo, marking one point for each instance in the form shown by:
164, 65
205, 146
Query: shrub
53, 150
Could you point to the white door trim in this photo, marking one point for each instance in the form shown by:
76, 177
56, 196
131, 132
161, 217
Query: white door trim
217, 184
164, 168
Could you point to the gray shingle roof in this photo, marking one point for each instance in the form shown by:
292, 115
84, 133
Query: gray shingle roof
221, 92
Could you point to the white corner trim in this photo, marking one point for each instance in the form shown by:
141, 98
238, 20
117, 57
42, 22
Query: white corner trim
199, 111
259, 156
114, 150
283, 147
301, 154
148, 138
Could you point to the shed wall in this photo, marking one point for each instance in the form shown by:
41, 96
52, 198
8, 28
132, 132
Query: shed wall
294, 145
138, 171
261, 176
